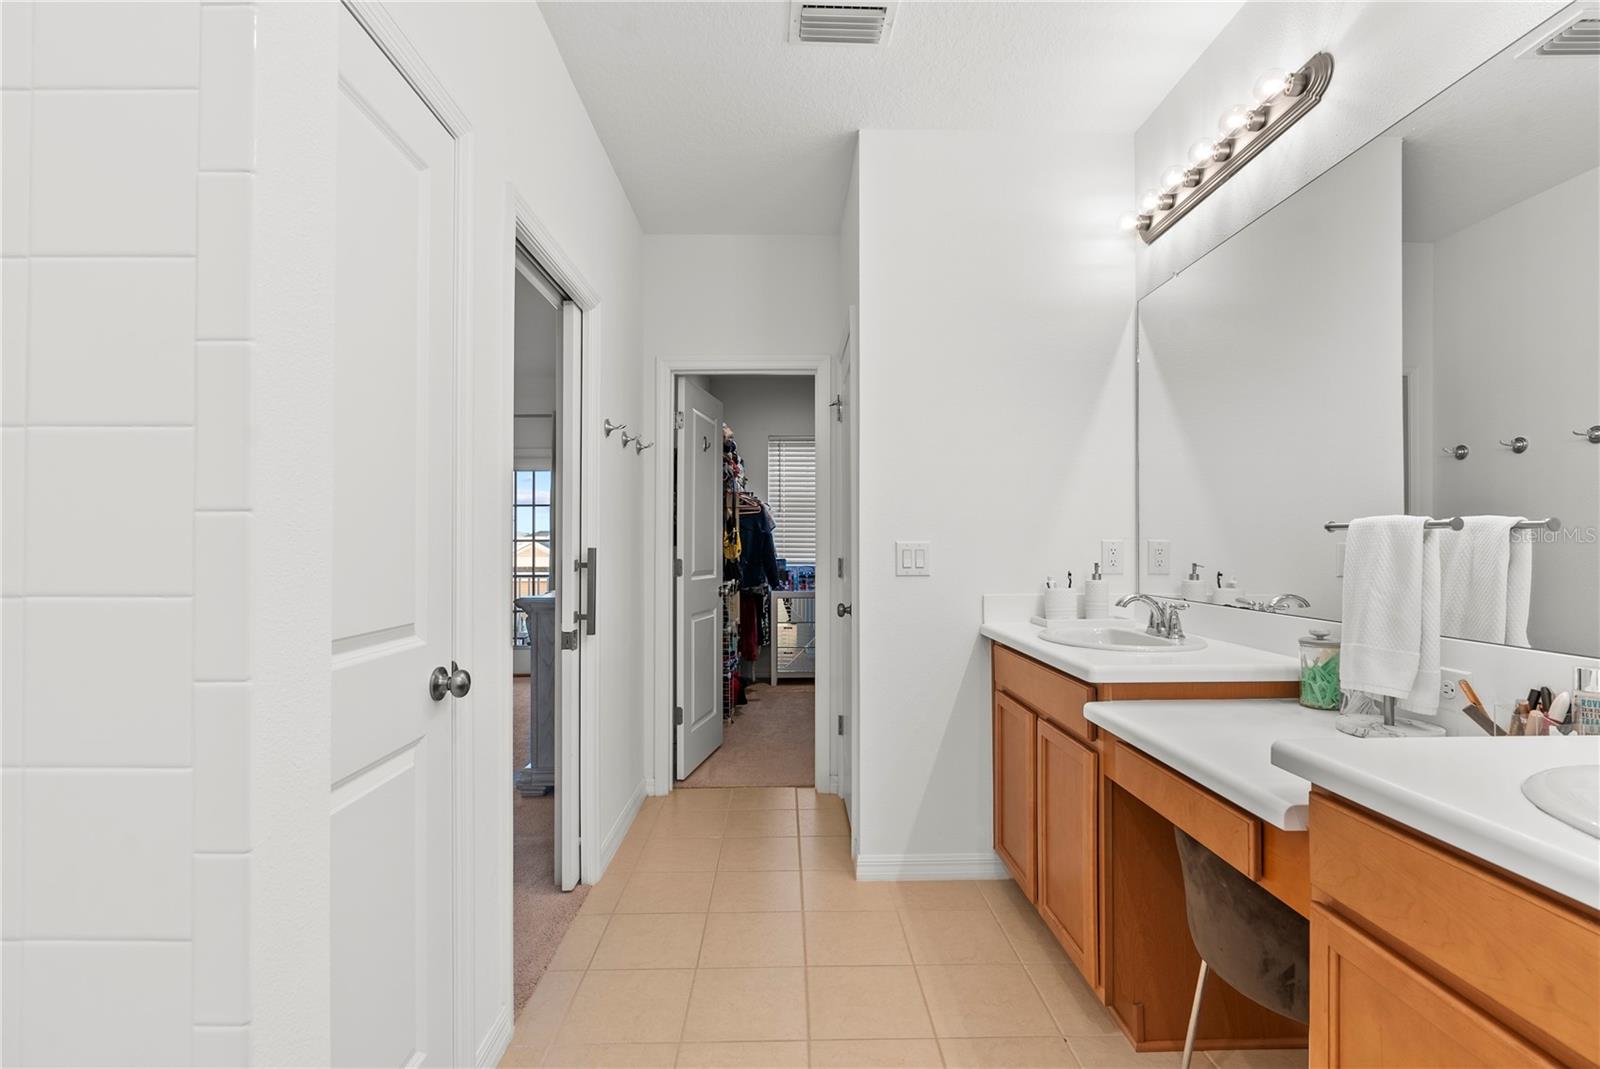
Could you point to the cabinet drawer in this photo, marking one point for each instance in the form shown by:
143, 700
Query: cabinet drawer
1371, 1009
1536, 961
1053, 695
1225, 830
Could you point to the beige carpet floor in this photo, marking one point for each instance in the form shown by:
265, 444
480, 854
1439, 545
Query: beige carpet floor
540, 911
769, 744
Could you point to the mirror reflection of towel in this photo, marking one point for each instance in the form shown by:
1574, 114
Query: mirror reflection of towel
1390, 644
1487, 581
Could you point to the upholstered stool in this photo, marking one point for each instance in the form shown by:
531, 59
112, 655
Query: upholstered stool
1253, 941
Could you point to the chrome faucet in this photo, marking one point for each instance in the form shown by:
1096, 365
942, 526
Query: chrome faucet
1277, 604
1164, 619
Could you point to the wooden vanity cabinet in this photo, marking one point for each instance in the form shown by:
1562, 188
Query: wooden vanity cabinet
1015, 743
1069, 845
1423, 956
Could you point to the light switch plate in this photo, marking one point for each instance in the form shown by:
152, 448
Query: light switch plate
1111, 556
1159, 552
911, 558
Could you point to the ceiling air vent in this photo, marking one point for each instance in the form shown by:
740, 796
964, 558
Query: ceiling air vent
840, 24
1578, 38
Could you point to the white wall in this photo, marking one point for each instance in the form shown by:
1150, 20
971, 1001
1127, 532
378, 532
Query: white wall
741, 295
994, 411
1389, 57
1269, 399
761, 300
758, 407
127, 518
1516, 330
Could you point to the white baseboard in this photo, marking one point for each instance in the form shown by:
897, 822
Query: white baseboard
618, 831
983, 866
497, 1042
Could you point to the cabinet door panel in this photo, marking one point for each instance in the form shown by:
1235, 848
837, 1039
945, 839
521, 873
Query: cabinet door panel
1372, 1009
1068, 868
1014, 793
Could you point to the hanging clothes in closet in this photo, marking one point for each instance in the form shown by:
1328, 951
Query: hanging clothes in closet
750, 555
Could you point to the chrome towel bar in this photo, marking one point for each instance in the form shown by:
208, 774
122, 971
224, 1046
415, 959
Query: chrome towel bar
1455, 523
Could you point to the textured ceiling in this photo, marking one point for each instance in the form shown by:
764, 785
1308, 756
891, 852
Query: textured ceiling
1514, 127
716, 124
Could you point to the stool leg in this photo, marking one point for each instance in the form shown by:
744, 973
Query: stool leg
1194, 1014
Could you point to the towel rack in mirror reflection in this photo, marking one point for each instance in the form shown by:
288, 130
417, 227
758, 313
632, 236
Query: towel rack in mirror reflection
1455, 523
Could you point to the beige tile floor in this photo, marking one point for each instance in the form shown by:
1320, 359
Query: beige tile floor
730, 931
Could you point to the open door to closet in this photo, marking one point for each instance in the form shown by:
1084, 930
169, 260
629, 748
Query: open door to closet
698, 703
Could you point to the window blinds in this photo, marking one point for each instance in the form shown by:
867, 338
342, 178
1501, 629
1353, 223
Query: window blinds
792, 495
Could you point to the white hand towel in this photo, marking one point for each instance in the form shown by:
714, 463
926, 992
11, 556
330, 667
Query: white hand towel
1487, 576
1519, 588
1390, 644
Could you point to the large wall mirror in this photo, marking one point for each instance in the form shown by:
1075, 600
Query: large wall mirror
1438, 288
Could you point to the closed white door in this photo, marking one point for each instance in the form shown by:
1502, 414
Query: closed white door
844, 569
699, 644
394, 440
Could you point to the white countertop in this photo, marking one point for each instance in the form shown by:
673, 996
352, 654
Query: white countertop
1466, 792
1218, 662
1225, 746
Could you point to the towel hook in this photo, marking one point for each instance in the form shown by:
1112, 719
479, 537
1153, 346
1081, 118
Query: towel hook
1593, 434
1460, 452
610, 427
629, 439
1519, 444
640, 447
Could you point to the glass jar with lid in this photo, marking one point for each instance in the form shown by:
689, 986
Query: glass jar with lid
1319, 670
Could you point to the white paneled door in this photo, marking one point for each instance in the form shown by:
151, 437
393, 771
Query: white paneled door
699, 534
844, 541
394, 507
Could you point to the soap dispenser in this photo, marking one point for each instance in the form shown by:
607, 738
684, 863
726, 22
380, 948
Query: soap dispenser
1194, 587
1096, 599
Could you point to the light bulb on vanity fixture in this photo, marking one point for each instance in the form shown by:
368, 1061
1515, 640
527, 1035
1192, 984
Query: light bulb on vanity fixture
1127, 221
1201, 152
1269, 85
1233, 120
1172, 177
1150, 201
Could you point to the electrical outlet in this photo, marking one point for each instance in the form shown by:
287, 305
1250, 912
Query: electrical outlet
1450, 683
1159, 552
1111, 556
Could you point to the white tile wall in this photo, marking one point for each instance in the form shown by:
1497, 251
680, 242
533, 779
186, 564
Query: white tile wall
114, 173
132, 708
82, 481
15, 117
106, 853
116, 46
104, 1003
132, 361
124, 495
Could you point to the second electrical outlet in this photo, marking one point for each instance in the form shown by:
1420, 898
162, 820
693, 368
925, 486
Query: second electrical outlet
1111, 556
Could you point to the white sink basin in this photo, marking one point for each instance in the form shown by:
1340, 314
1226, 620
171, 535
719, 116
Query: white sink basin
1117, 638
1571, 794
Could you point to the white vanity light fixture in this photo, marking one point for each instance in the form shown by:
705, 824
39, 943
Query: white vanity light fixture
1280, 100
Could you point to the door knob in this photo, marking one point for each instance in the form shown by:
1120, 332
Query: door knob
453, 680
460, 680
843, 610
